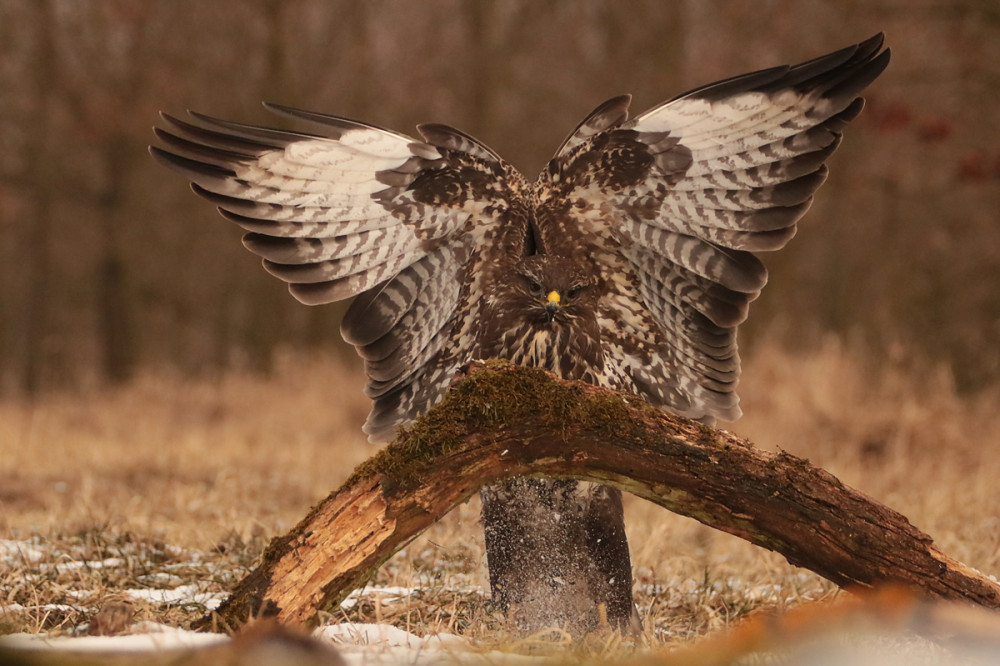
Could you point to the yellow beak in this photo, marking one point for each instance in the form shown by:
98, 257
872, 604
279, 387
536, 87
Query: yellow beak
552, 305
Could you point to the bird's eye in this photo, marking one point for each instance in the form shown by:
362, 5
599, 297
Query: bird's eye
535, 287
575, 290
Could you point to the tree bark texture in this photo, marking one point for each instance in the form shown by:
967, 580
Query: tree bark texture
503, 421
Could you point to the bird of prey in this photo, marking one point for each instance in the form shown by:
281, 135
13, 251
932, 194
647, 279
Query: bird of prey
629, 263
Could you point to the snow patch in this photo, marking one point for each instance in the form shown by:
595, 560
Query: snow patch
153, 636
384, 645
18, 608
77, 565
386, 594
14, 551
184, 594
367, 634
161, 579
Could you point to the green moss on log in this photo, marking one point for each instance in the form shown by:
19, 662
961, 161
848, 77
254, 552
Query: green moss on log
498, 396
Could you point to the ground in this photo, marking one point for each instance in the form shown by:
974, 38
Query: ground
151, 500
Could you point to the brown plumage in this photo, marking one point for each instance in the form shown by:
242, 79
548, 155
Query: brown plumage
658, 218
544, 314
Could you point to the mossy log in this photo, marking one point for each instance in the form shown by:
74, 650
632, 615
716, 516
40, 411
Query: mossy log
502, 421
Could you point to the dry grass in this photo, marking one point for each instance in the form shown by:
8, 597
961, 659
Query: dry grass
172, 481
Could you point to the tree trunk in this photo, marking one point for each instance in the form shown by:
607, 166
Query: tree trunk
504, 421
115, 302
31, 347
558, 555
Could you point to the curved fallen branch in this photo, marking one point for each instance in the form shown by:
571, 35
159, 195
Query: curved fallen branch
503, 421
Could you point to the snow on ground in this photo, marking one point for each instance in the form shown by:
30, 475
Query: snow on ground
385, 645
386, 594
18, 608
357, 644
377, 644
183, 594
11, 551
148, 636
76, 565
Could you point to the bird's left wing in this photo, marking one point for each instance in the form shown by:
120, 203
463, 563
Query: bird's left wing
413, 227
672, 206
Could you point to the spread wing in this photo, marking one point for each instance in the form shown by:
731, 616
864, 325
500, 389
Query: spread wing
411, 227
673, 205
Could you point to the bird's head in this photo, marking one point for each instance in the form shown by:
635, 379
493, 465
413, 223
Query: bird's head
542, 312
550, 290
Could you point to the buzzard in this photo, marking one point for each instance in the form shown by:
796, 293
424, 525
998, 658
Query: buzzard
628, 263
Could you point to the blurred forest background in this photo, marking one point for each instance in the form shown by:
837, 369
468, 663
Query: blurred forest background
109, 264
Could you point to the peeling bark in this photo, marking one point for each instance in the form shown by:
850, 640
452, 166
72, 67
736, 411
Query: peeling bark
504, 421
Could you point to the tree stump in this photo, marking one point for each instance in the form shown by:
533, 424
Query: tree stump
502, 421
